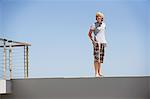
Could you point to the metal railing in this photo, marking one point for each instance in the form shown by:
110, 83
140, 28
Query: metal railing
14, 59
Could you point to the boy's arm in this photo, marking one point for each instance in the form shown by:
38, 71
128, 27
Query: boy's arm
90, 34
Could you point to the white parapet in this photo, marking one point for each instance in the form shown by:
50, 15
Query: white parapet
5, 86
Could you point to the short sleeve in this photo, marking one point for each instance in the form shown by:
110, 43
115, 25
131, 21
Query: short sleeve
103, 26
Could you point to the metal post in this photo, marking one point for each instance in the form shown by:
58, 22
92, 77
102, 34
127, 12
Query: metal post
4, 58
26, 62
10, 59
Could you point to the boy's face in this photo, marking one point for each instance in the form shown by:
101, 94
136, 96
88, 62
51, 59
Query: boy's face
99, 19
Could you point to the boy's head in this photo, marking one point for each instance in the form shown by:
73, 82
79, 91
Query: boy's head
99, 17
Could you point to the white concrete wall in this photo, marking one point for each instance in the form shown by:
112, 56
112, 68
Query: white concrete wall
80, 88
2, 86
5, 86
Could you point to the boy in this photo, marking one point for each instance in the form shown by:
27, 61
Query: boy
99, 42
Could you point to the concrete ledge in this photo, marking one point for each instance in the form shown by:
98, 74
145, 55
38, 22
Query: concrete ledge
80, 88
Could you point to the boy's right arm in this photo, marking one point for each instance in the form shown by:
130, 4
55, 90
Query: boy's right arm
90, 34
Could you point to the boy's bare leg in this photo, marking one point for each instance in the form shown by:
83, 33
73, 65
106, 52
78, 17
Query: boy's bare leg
99, 68
96, 65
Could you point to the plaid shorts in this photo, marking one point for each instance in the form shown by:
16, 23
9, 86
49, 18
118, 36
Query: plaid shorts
98, 51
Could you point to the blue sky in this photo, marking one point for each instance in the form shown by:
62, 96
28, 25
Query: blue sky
58, 31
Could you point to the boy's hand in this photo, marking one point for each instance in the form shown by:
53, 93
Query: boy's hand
91, 39
94, 43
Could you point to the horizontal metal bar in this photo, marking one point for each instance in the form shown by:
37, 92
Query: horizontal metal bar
15, 45
20, 43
